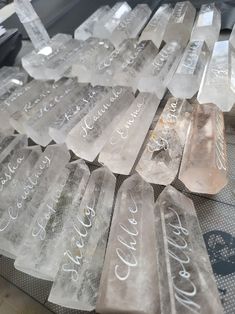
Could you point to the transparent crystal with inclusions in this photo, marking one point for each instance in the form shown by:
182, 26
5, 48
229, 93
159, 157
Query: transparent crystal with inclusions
205, 156
156, 75
188, 75
130, 267
215, 87
184, 269
120, 152
89, 136
75, 112
10, 143
180, 23
107, 24
207, 25
32, 24
86, 29
22, 207
156, 28
160, 161
43, 247
131, 25
77, 282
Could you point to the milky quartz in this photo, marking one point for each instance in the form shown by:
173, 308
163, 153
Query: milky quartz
131, 25
18, 212
86, 29
180, 23
129, 272
232, 60
160, 161
89, 136
77, 282
156, 28
205, 155
107, 24
72, 114
44, 245
156, 75
187, 284
207, 25
120, 152
32, 23
188, 75
215, 86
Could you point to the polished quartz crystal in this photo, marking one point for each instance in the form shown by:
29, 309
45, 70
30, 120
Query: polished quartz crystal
185, 275
156, 28
160, 161
204, 164
129, 278
77, 282
188, 75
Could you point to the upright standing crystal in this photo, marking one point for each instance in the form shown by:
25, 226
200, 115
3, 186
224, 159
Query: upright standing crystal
77, 282
160, 161
131, 25
120, 152
86, 29
187, 78
185, 275
156, 28
215, 87
205, 156
106, 25
156, 75
129, 272
32, 23
88, 137
207, 25
18, 213
181, 22
43, 247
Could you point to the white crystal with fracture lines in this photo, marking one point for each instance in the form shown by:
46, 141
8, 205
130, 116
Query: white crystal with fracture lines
89, 136
207, 25
120, 152
131, 25
77, 282
156, 75
129, 272
188, 75
160, 161
184, 269
86, 29
20, 210
180, 23
156, 28
44, 245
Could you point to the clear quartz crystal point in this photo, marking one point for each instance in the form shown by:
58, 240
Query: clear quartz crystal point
89, 136
107, 24
180, 23
204, 164
184, 269
32, 23
129, 272
86, 29
156, 28
207, 25
77, 282
188, 75
156, 75
18, 212
215, 86
232, 60
120, 152
44, 245
131, 25
160, 161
